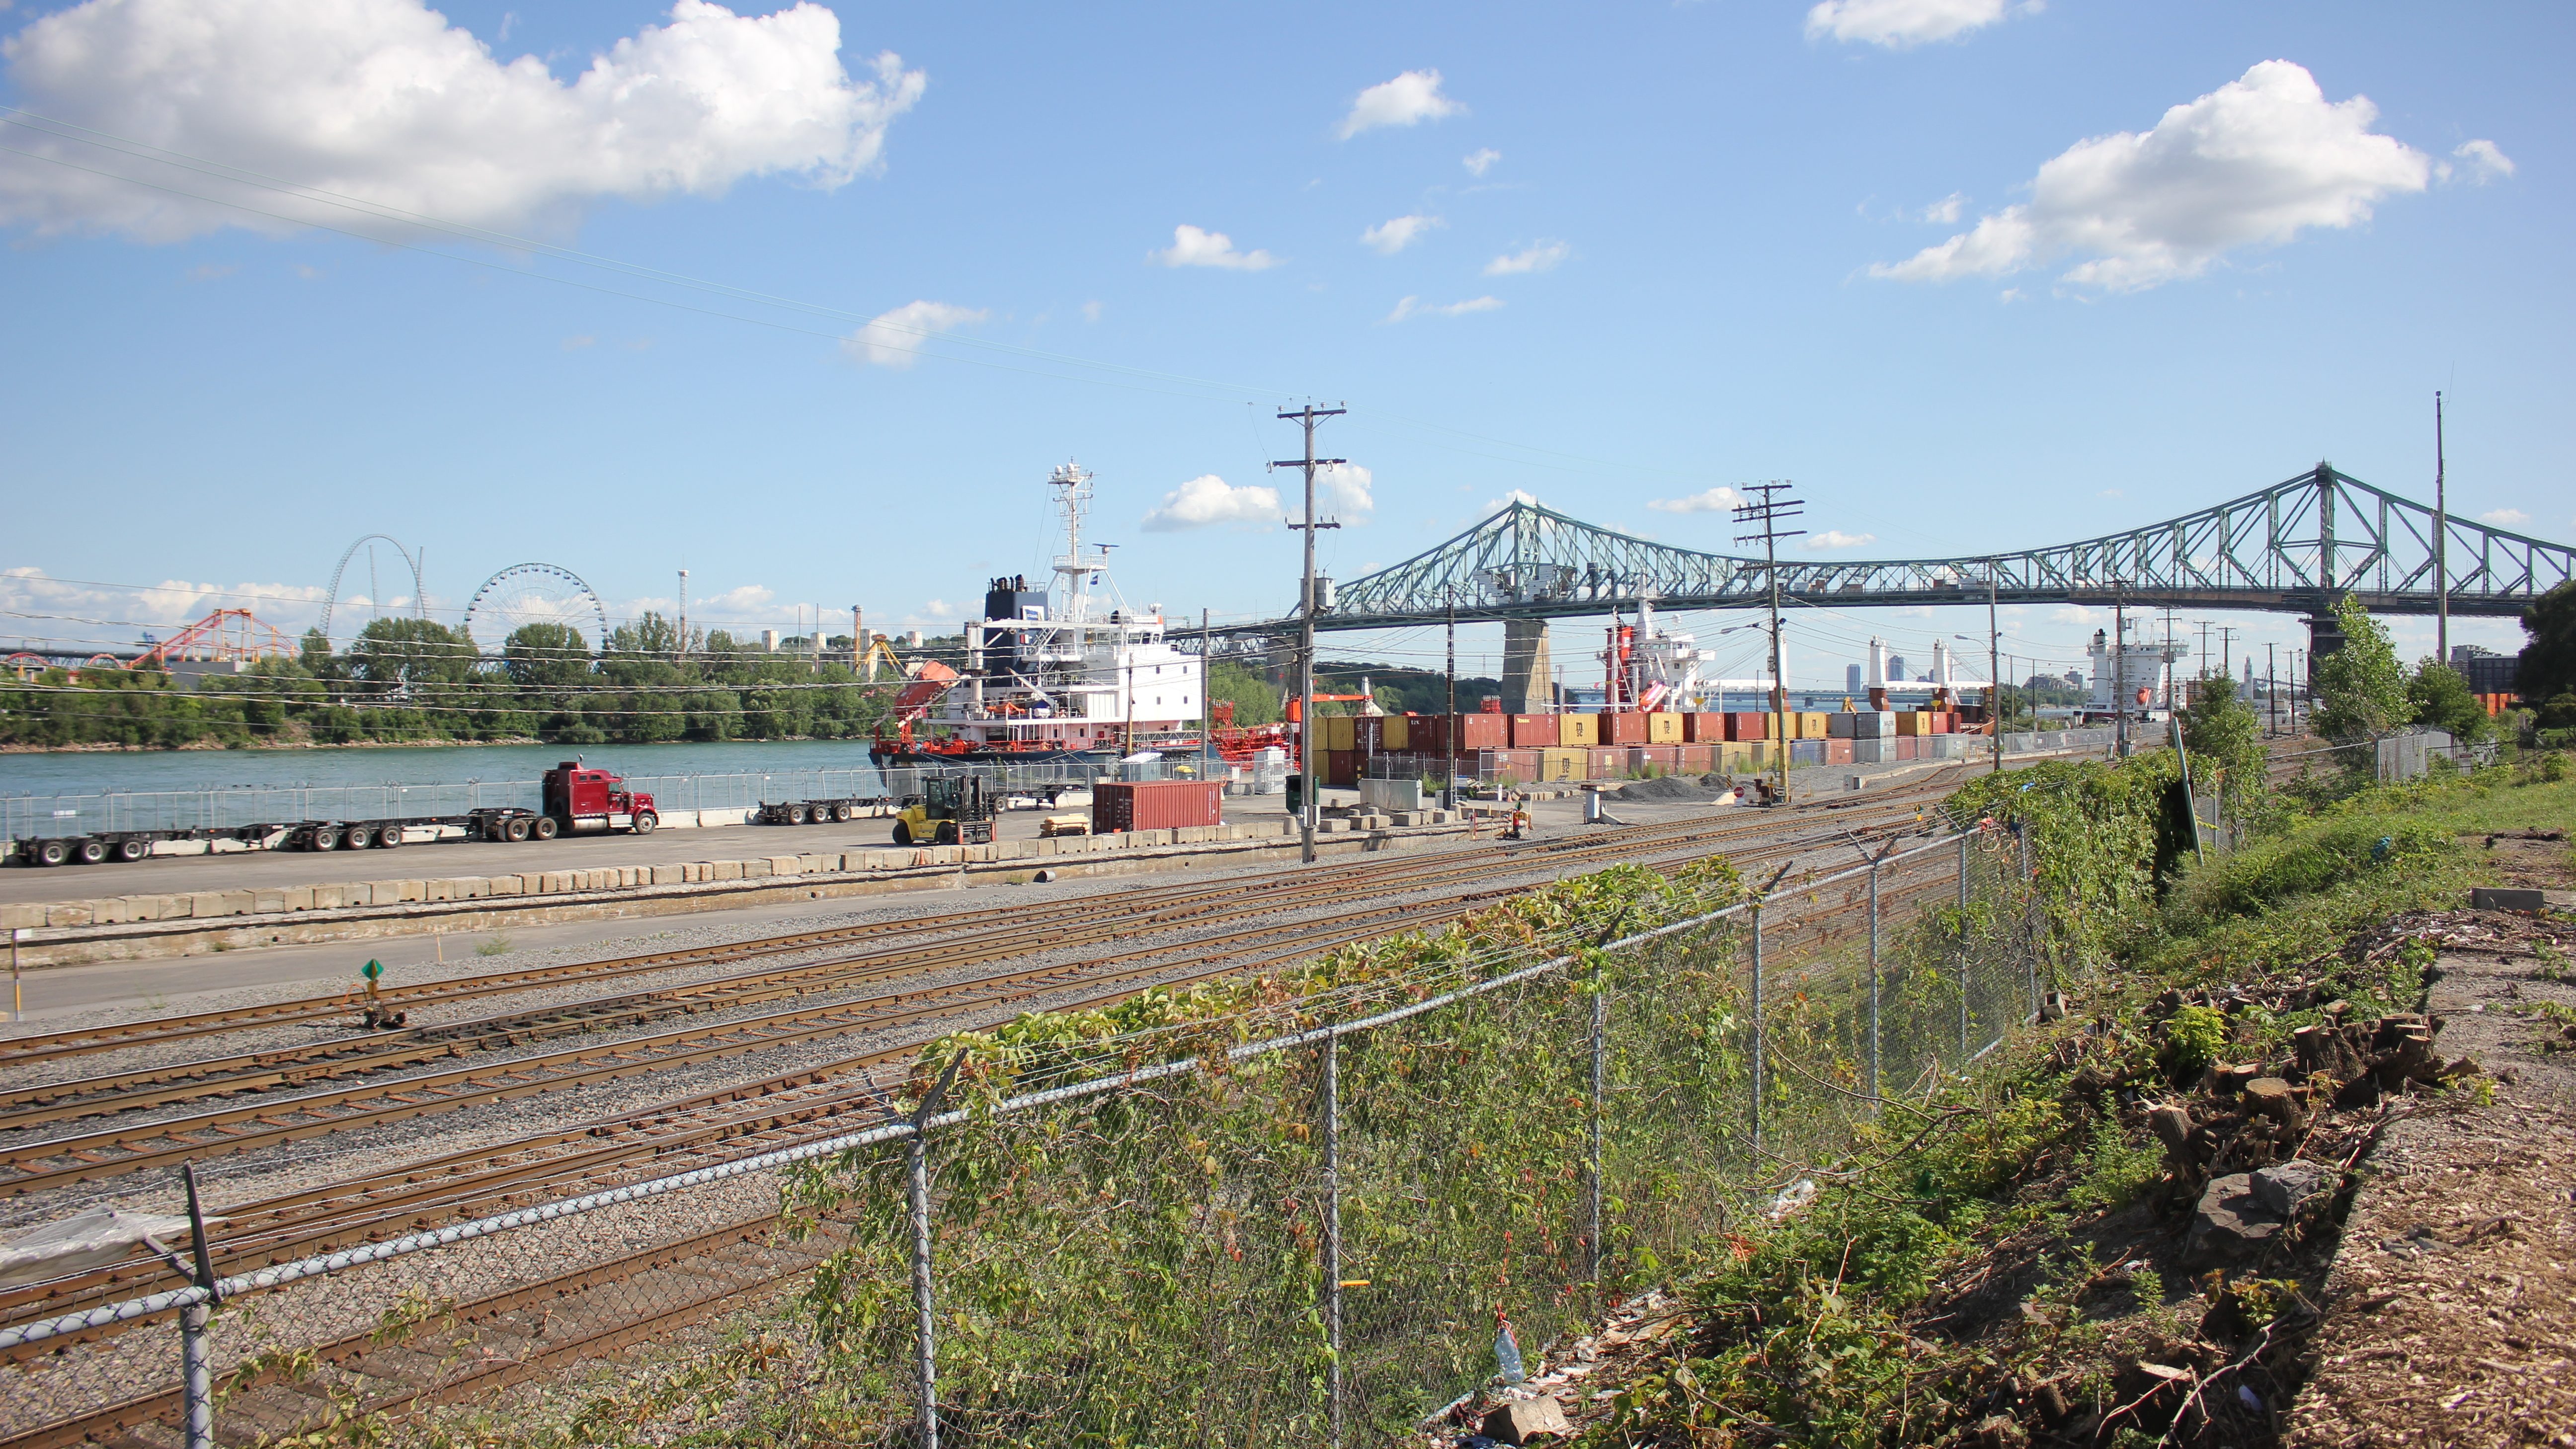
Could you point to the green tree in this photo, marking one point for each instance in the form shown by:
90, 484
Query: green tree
2225, 738
2442, 701
2548, 665
546, 657
2361, 688
1255, 702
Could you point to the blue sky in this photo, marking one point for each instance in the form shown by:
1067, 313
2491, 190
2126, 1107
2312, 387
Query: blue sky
1656, 249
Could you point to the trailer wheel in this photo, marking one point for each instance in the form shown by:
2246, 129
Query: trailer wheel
91, 850
358, 837
133, 848
645, 822
389, 835
842, 812
325, 838
516, 828
795, 814
53, 852
543, 827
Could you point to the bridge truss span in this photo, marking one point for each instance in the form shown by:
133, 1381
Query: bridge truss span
2295, 547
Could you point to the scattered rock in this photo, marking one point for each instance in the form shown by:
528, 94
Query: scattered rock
1515, 1421
2285, 1187
2232, 1224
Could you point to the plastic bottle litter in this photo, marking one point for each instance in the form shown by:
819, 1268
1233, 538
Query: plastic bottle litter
1507, 1353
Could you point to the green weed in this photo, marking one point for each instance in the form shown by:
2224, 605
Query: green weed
496, 944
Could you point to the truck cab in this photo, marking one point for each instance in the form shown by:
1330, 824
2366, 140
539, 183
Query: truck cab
581, 799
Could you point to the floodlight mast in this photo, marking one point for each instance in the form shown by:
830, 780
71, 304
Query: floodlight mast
1770, 512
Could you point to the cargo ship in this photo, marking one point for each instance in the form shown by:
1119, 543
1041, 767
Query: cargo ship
1064, 673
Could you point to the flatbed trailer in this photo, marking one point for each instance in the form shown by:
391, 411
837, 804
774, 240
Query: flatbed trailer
822, 812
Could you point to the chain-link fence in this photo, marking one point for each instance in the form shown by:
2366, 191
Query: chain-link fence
1301, 1217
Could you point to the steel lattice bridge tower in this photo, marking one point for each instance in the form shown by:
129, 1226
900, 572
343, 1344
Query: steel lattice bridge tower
2292, 548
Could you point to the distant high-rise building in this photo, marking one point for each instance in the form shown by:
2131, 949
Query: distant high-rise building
1896, 666
1851, 679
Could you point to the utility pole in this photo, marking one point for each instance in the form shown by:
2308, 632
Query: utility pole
2441, 545
682, 650
1994, 668
1307, 813
1770, 512
2120, 668
1207, 706
1449, 729
2271, 695
2227, 657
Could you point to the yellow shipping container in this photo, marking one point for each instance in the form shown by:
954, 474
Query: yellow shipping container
1393, 732
1579, 729
1663, 729
1341, 732
1741, 756
1559, 765
1811, 725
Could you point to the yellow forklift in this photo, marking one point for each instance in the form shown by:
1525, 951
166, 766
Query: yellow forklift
950, 810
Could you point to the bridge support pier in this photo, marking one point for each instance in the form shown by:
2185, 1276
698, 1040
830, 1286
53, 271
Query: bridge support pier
2325, 636
1527, 674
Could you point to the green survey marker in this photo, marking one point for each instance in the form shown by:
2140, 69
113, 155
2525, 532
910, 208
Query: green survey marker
372, 970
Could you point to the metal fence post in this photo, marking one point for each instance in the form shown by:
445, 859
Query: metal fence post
1873, 976
1333, 1232
196, 1361
1600, 1093
2029, 941
1964, 1048
1757, 1026
924, 1340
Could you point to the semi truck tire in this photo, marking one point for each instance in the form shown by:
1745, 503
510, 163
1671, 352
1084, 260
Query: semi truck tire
389, 837
795, 814
516, 829
91, 850
52, 852
544, 827
358, 837
645, 822
133, 848
325, 838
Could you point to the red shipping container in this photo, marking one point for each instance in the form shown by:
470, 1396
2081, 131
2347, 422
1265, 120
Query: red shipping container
1909, 747
1943, 723
1699, 759
1342, 769
1838, 752
1480, 732
1154, 804
1534, 731
1623, 728
1667, 758
1703, 729
1521, 765
1748, 728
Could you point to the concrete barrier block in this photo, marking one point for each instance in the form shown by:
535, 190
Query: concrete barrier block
468, 888
67, 913
108, 912
297, 898
724, 870
442, 889
25, 916
947, 854
553, 881
785, 864
759, 869
413, 891
506, 885
817, 865
983, 854
141, 908
1046, 847
240, 903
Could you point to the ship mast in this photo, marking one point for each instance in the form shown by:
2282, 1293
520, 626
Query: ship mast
1075, 494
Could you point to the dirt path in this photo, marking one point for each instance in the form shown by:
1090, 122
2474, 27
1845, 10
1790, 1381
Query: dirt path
2451, 1309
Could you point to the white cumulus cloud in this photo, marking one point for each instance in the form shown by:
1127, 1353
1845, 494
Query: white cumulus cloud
385, 101
1540, 258
2484, 159
2505, 517
1711, 501
1508, 499
1193, 247
1900, 24
1392, 236
1833, 538
1480, 161
893, 339
1408, 100
1346, 488
1412, 307
1208, 500
2254, 162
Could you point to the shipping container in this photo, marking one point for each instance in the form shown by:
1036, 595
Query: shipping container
1703, 729
1839, 752
1909, 747
1663, 729
1748, 728
1534, 731
1806, 752
1558, 764
1578, 729
1342, 769
1482, 731
1811, 724
1943, 723
1517, 767
1666, 758
1742, 757
1623, 728
1395, 732
1339, 732
1698, 759
1154, 804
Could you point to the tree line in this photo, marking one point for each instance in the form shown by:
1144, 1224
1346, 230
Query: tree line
410, 680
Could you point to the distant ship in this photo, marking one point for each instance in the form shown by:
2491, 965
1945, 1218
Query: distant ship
1067, 674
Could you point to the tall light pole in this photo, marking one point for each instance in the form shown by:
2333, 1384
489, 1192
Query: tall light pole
2441, 546
1994, 665
2120, 668
1770, 512
1307, 812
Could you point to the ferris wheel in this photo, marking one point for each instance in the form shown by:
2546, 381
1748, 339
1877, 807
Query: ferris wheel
534, 593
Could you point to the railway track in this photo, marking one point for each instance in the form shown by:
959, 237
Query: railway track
753, 1116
